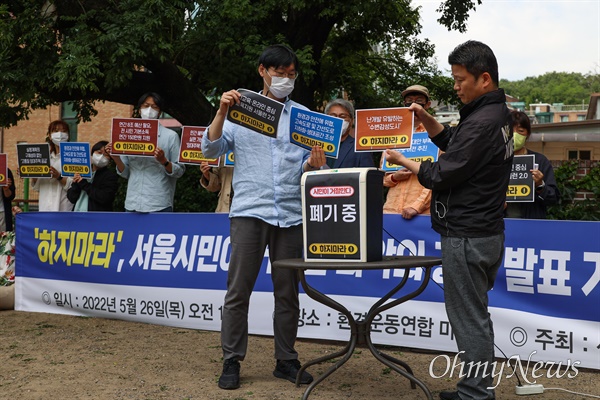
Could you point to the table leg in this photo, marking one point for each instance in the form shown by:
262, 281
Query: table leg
391, 362
377, 309
347, 351
362, 330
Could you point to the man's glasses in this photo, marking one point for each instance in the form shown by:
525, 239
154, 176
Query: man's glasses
342, 116
408, 103
283, 74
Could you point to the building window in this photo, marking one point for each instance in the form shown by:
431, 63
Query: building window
69, 115
580, 117
564, 118
544, 118
579, 154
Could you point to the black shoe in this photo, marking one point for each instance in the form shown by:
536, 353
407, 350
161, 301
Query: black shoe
230, 378
288, 369
449, 396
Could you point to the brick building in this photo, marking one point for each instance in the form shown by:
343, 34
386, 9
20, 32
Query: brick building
35, 128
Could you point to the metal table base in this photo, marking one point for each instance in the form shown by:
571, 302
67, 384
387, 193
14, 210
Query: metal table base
360, 331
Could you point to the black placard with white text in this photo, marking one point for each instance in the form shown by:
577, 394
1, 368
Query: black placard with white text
256, 112
520, 187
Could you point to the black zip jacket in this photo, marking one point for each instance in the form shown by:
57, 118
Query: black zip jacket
470, 179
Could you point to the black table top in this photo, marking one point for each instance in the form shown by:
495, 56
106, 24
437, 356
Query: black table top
395, 262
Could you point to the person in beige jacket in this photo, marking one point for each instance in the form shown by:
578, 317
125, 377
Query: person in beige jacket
406, 195
218, 179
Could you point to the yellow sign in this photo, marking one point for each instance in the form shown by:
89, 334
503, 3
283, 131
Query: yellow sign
518, 190
76, 169
248, 120
196, 155
333, 248
34, 169
310, 142
383, 141
134, 147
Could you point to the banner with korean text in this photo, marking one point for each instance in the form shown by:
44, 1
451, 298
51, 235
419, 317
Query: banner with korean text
171, 269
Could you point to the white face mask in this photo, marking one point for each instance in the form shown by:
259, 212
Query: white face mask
345, 126
148, 113
280, 87
58, 137
100, 160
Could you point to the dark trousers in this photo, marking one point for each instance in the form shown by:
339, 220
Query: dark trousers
469, 267
249, 239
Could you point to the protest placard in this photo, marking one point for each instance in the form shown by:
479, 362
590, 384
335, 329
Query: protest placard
256, 112
422, 149
520, 187
309, 128
34, 160
3, 170
134, 136
190, 149
75, 159
229, 159
379, 129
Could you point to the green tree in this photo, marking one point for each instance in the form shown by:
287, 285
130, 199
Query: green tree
191, 51
554, 87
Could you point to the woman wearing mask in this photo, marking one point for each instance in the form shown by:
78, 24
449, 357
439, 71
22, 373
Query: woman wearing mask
347, 157
53, 190
98, 192
546, 191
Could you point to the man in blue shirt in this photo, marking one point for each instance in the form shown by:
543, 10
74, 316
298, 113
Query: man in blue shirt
266, 210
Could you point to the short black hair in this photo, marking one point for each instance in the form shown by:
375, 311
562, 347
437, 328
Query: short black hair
477, 58
521, 119
99, 145
278, 55
158, 99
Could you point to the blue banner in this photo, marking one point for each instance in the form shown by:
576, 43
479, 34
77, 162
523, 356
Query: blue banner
126, 248
550, 267
546, 293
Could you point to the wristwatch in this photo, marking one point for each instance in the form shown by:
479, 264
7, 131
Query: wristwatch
166, 163
541, 186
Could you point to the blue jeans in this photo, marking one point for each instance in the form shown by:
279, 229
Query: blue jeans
469, 267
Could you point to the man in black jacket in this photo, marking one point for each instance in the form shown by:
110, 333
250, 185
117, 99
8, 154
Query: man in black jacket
469, 183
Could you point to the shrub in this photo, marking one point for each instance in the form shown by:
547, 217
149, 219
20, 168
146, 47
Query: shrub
568, 208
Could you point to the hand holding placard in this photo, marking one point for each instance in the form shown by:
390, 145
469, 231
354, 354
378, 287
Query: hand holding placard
255, 112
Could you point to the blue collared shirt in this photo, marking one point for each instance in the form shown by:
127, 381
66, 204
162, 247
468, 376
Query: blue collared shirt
150, 187
266, 177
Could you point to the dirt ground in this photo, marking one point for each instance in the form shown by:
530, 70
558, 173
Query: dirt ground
50, 356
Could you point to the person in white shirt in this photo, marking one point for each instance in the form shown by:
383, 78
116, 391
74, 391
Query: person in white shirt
53, 191
151, 181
